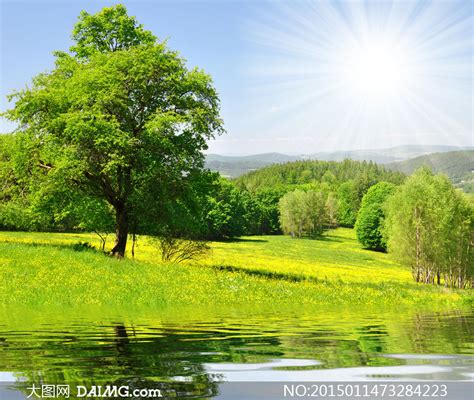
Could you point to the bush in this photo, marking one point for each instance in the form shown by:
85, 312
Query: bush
177, 250
82, 246
371, 215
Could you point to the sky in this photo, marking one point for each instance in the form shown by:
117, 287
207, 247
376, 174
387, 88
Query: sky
295, 77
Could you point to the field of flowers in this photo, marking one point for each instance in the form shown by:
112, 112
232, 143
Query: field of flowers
51, 269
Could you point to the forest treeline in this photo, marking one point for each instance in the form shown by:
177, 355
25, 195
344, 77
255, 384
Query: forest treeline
32, 199
422, 219
458, 165
308, 171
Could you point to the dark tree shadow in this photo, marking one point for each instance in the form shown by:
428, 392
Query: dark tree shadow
237, 240
267, 274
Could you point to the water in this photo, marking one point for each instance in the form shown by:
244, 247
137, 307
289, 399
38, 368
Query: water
195, 350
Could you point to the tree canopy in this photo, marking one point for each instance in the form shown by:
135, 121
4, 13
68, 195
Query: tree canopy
118, 117
303, 213
371, 215
430, 227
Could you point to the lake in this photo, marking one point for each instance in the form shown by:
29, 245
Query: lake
195, 350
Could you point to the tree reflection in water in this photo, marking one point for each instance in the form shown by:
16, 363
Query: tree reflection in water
172, 353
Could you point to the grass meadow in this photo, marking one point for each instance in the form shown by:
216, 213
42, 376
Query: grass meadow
50, 269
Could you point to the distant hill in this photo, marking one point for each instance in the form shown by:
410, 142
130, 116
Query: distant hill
264, 157
384, 156
331, 173
458, 165
234, 166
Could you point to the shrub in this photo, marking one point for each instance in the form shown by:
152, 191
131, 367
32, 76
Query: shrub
178, 250
82, 246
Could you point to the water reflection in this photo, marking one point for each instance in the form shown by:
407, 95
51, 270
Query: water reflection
194, 350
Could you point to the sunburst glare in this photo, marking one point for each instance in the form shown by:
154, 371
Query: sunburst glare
363, 74
377, 70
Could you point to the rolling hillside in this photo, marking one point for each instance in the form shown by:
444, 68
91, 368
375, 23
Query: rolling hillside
38, 268
458, 165
313, 171
234, 166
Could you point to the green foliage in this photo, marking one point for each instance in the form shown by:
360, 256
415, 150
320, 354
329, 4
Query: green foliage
348, 180
14, 214
309, 172
292, 213
332, 210
14, 217
456, 164
315, 204
268, 200
348, 203
371, 216
119, 115
111, 29
35, 196
430, 228
232, 212
8, 184
303, 213
226, 215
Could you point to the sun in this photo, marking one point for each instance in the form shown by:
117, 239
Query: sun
376, 70
352, 74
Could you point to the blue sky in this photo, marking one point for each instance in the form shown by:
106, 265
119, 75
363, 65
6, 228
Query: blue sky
293, 77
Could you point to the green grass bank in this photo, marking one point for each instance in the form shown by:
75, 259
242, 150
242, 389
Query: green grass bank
39, 269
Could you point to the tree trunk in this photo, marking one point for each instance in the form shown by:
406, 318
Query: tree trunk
134, 241
121, 231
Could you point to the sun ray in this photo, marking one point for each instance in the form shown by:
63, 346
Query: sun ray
365, 69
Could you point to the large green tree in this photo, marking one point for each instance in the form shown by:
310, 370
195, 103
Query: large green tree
119, 114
